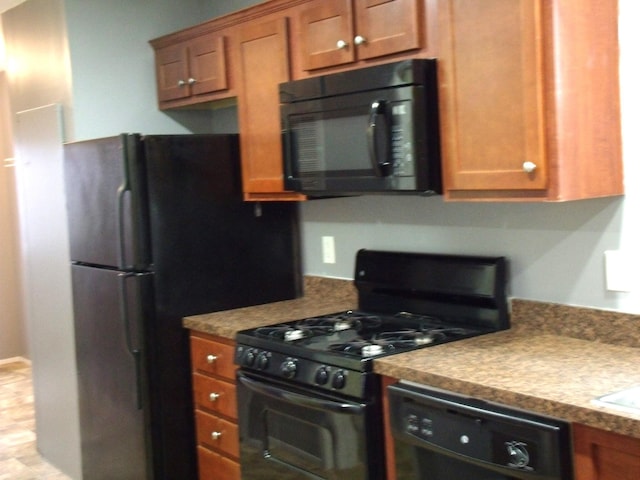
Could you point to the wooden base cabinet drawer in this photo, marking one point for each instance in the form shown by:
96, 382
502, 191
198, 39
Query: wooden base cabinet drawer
213, 357
216, 467
215, 395
217, 434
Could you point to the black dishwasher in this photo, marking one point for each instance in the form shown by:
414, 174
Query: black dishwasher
439, 435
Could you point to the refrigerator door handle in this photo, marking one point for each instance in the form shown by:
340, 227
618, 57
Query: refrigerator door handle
122, 190
133, 350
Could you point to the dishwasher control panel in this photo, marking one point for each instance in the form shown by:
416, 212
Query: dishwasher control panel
441, 427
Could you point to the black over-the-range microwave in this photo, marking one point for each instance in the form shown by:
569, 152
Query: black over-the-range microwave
371, 130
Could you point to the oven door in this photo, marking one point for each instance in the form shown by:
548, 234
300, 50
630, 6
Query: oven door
289, 433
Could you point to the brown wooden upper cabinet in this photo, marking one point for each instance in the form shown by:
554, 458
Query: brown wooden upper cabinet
529, 95
191, 71
263, 54
336, 32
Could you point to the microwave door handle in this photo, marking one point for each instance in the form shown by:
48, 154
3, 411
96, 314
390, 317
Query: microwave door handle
381, 166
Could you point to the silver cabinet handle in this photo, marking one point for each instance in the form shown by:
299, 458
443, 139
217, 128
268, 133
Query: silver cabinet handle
341, 44
191, 81
216, 435
181, 83
359, 40
529, 167
211, 358
214, 396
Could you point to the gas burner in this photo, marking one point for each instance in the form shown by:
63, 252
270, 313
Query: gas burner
287, 333
363, 348
409, 337
338, 322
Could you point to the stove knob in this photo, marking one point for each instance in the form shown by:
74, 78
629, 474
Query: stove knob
322, 376
249, 357
339, 379
289, 368
262, 361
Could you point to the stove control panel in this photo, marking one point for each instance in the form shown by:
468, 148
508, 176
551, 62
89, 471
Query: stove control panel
301, 370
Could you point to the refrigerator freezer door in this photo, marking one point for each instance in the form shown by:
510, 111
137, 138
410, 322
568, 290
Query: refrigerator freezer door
106, 202
108, 306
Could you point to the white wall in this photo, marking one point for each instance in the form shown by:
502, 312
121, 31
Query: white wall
113, 87
556, 251
12, 339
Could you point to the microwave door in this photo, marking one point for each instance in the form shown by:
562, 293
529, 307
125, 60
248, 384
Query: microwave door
330, 150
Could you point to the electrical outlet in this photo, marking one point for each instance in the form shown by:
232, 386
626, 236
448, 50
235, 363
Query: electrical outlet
328, 250
619, 275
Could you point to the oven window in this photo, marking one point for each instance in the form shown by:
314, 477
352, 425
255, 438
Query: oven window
298, 443
295, 442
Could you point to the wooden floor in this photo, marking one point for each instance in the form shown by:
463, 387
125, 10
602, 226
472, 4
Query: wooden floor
19, 459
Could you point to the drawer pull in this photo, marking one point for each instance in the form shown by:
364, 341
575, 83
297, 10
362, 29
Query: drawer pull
214, 396
211, 358
216, 435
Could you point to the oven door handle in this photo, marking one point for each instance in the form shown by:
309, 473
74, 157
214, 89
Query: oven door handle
299, 399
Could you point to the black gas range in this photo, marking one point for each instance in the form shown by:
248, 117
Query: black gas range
406, 301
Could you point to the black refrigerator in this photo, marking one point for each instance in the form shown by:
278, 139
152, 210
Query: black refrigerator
158, 231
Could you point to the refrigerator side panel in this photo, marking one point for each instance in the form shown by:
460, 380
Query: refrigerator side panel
212, 251
110, 381
106, 202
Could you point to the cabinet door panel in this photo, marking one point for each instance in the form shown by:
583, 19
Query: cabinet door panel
215, 396
208, 64
216, 467
323, 26
172, 68
492, 102
388, 26
601, 455
217, 434
264, 58
213, 358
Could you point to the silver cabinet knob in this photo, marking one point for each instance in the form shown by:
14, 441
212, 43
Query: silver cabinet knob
181, 83
341, 44
529, 167
214, 396
216, 435
359, 40
191, 81
211, 358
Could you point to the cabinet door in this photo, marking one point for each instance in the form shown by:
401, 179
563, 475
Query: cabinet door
327, 34
207, 64
264, 62
216, 467
336, 32
491, 95
601, 455
384, 27
172, 69
213, 357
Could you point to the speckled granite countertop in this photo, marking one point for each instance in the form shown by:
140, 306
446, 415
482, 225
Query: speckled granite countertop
321, 295
554, 360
